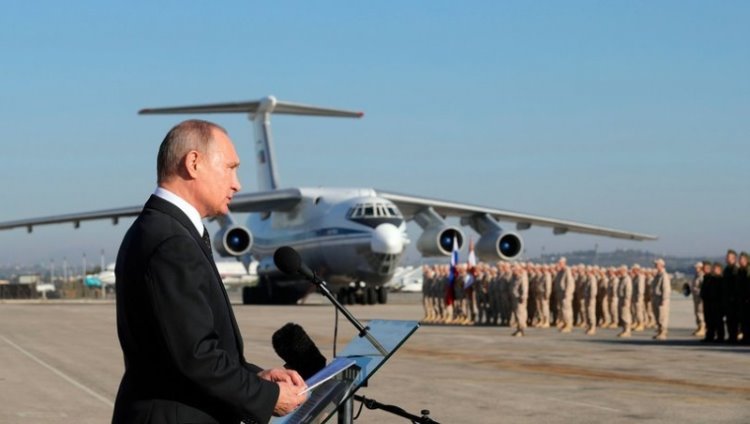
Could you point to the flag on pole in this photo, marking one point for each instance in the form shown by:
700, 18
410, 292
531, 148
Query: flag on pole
471, 265
449, 296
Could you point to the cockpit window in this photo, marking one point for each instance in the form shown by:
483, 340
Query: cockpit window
374, 210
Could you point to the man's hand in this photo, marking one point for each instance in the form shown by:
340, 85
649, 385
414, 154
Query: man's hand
283, 375
290, 386
289, 398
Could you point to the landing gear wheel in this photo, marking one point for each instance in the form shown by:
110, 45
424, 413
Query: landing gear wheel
342, 295
351, 296
382, 295
254, 295
371, 296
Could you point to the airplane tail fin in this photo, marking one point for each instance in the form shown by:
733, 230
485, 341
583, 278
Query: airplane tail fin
260, 113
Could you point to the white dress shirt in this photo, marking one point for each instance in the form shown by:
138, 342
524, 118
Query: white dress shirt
184, 206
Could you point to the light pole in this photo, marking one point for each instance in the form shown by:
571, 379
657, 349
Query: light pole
101, 270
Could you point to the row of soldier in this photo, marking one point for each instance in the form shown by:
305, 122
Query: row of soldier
721, 296
543, 295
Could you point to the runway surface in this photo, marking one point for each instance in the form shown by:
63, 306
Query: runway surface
60, 362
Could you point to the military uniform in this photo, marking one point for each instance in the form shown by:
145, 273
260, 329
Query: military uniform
544, 294
556, 299
695, 291
438, 296
494, 295
427, 280
624, 296
590, 287
648, 305
533, 318
482, 291
449, 309
612, 301
507, 298
564, 280
520, 295
470, 299
660, 292
579, 307
639, 290
459, 298
602, 309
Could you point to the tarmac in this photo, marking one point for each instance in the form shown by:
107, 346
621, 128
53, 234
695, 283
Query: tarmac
60, 362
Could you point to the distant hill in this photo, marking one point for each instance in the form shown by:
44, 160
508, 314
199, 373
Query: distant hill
618, 257
627, 257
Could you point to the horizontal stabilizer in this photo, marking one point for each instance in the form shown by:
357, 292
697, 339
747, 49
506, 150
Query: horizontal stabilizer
265, 105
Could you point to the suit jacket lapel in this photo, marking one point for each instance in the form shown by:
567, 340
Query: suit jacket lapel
156, 202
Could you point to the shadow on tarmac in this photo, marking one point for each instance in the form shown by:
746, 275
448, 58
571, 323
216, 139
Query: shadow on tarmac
697, 343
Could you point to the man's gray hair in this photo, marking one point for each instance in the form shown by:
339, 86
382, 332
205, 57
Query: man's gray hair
193, 134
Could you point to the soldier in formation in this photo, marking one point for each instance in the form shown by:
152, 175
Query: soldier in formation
624, 299
562, 296
521, 295
695, 290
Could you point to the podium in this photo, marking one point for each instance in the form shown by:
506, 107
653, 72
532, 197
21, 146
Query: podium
336, 394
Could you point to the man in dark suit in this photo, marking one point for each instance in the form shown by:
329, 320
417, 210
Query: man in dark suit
729, 291
183, 351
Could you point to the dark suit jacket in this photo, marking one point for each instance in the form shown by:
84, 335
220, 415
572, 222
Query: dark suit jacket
183, 352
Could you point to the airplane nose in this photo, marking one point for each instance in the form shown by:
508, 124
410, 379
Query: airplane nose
387, 239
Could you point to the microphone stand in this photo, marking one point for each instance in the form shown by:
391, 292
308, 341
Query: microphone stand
363, 331
346, 409
395, 410
289, 260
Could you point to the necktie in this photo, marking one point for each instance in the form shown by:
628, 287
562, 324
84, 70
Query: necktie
206, 238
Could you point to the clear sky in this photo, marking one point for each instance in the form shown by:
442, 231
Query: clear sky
629, 114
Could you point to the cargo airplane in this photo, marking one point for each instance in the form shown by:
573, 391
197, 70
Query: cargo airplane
352, 237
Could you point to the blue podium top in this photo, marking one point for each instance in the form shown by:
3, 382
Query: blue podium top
324, 400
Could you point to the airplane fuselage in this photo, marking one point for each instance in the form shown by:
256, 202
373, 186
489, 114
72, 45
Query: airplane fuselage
343, 235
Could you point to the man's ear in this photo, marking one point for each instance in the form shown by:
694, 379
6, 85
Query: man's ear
191, 163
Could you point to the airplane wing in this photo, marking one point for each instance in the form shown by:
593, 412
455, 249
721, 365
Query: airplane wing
75, 218
411, 205
252, 202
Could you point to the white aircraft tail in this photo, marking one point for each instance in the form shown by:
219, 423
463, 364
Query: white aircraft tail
260, 113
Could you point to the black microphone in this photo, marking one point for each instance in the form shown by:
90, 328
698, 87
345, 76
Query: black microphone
288, 261
294, 346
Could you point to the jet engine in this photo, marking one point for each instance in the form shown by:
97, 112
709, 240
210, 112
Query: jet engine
233, 240
438, 240
494, 243
497, 244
